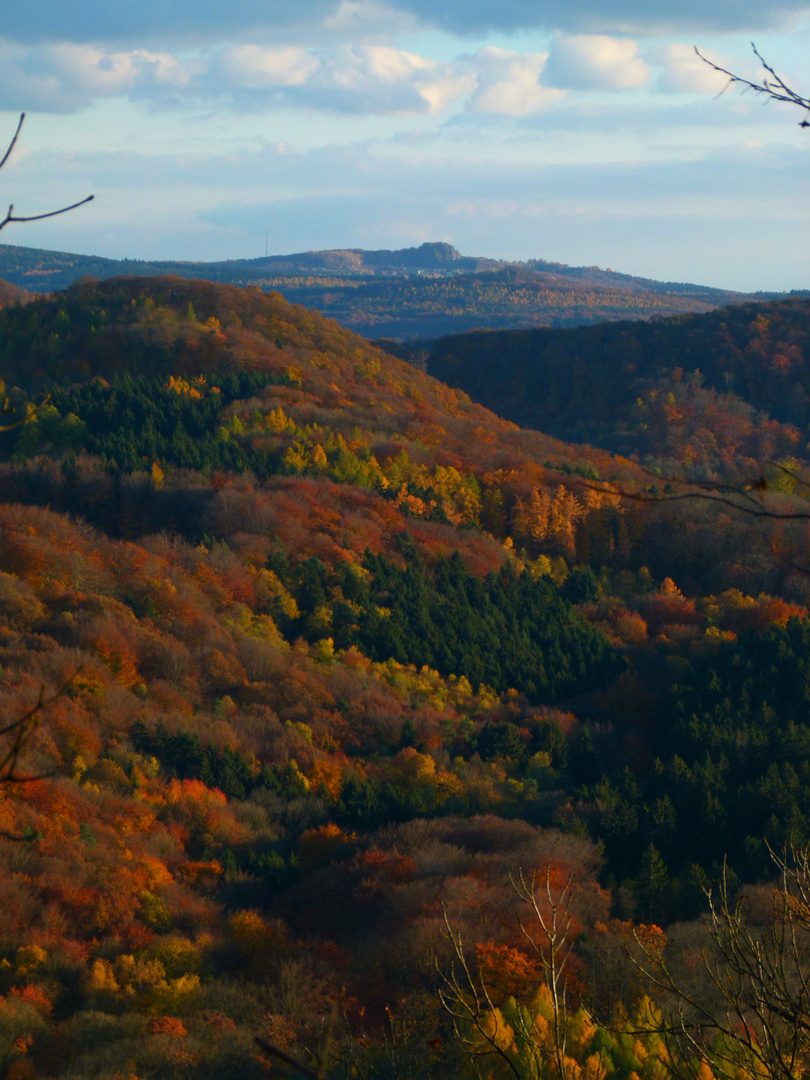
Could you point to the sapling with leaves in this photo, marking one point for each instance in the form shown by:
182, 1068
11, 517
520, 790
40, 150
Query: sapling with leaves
522, 1043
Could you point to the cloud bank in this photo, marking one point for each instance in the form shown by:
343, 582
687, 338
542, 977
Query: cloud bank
161, 21
352, 78
509, 83
360, 78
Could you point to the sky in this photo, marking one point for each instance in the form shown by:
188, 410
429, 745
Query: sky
579, 131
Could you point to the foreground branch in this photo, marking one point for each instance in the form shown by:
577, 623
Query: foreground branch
321, 1062
15, 219
745, 498
759, 1021
19, 733
772, 86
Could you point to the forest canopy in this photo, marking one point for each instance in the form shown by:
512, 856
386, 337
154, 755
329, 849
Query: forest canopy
317, 625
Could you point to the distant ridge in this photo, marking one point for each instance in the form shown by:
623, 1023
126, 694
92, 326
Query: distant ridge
416, 292
40, 270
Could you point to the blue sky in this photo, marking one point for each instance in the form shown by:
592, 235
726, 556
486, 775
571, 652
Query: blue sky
584, 131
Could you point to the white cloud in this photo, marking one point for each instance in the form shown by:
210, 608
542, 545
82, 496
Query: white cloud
684, 71
381, 79
443, 89
595, 62
110, 73
354, 67
254, 67
66, 77
357, 79
509, 83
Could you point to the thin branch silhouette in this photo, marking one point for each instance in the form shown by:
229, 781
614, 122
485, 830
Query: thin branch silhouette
19, 733
477, 1024
21, 421
13, 142
772, 86
739, 497
759, 1023
15, 219
319, 1071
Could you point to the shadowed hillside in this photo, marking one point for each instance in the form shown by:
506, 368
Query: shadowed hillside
708, 393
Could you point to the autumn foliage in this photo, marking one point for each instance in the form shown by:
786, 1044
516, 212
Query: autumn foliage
339, 651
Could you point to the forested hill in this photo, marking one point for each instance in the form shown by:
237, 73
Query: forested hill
331, 652
425, 291
698, 392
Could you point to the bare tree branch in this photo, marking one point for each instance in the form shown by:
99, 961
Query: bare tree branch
772, 86
746, 498
288, 1059
759, 1022
553, 946
13, 142
34, 409
479, 1029
319, 1072
467, 1001
13, 219
19, 733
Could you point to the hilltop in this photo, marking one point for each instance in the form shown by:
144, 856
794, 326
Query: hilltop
45, 271
426, 291
13, 294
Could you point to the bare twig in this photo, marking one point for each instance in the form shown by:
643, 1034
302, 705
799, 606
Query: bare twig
288, 1059
14, 219
745, 498
772, 86
467, 1001
13, 142
760, 1021
554, 946
321, 1061
20, 731
34, 409
477, 1023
